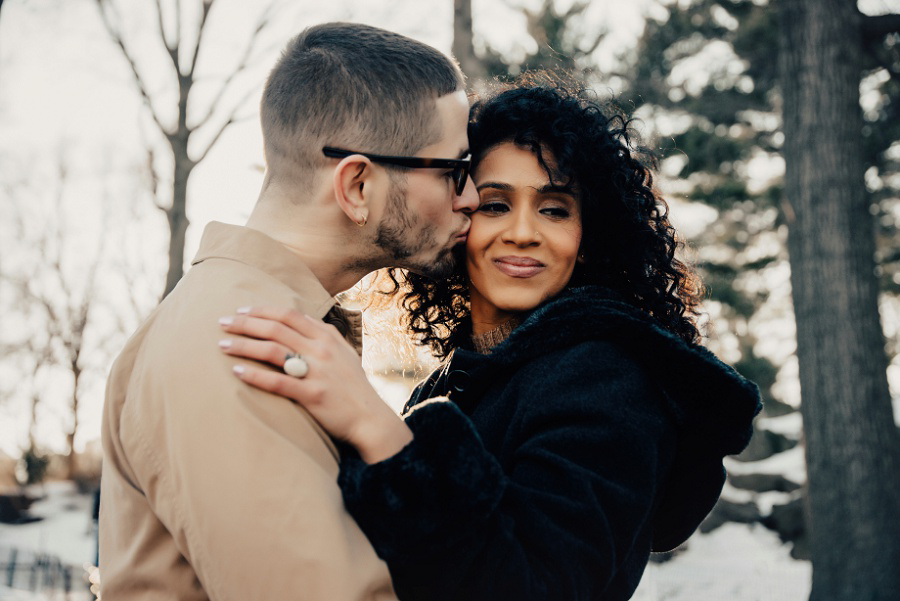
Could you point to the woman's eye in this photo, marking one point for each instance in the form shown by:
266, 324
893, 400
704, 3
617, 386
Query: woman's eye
493, 207
557, 212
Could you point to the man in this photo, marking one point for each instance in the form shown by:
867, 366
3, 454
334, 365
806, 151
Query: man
212, 489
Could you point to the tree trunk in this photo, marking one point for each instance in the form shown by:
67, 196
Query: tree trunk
71, 467
32, 426
852, 444
463, 45
177, 217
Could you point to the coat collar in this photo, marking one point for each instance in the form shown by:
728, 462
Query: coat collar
705, 393
254, 248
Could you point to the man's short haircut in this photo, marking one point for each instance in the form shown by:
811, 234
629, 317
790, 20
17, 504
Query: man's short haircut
352, 86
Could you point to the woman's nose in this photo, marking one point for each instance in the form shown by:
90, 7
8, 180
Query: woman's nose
522, 231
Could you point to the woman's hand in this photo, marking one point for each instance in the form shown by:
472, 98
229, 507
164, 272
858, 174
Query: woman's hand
335, 389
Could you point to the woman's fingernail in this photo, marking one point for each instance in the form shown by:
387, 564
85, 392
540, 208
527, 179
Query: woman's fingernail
226, 321
243, 310
224, 344
238, 369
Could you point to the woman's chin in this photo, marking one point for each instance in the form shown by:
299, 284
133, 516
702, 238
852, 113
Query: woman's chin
521, 303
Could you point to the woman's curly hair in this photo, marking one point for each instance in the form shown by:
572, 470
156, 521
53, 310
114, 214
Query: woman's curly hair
627, 243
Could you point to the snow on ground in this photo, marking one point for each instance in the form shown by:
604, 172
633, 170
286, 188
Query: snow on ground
791, 464
789, 424
66, 530
66, 533
8, 594
736, 562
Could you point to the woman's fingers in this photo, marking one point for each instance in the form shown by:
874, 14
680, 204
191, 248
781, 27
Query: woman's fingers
258, 350
334, 390
296, 331
293, 319
266, 329
271, 381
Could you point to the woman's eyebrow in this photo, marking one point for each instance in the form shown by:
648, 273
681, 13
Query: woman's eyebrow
555, 188
495, 185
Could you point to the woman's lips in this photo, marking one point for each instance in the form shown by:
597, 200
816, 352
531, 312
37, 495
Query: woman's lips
519, 267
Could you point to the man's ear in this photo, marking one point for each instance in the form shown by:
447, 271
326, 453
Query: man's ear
353, 186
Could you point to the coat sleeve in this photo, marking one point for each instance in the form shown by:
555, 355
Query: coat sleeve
571, 505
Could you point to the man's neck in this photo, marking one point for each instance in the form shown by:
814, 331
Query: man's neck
315, 235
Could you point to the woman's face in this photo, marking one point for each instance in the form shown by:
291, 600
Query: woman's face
524, 238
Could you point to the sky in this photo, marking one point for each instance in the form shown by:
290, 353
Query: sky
67, 97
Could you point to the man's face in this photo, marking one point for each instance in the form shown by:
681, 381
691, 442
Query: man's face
424, 218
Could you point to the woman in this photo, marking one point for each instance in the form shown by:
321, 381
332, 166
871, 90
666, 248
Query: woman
584, 428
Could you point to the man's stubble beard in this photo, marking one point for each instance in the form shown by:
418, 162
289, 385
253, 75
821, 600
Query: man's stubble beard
397, 237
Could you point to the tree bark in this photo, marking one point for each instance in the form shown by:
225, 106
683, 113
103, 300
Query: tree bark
176, 214
71, 459
852, 444
463, 44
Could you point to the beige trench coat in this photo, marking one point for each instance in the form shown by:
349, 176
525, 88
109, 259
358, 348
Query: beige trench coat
212, 489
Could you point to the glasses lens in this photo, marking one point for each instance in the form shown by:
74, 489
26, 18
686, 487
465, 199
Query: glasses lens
460, 175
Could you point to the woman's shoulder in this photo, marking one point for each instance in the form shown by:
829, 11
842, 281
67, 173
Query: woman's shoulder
593, 361
590, 331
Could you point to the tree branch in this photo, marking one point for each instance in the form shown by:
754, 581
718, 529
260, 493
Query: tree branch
243, 63
162, 27
172, 49
216, 137
207, 5
117, 38
884, 64
178, 31
154, 181
876, 27
594, 44
576, 10
232, 118
151, 171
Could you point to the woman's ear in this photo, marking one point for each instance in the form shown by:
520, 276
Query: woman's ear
353, 183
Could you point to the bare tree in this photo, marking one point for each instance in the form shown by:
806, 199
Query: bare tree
64, 318
463, 42
183, 50
553, 30
31, 356
852, 443
562, 42
60, 301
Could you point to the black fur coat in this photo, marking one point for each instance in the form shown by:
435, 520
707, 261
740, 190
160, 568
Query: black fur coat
586, 439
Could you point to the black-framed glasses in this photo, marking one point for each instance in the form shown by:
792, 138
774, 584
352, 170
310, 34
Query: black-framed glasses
460, 167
